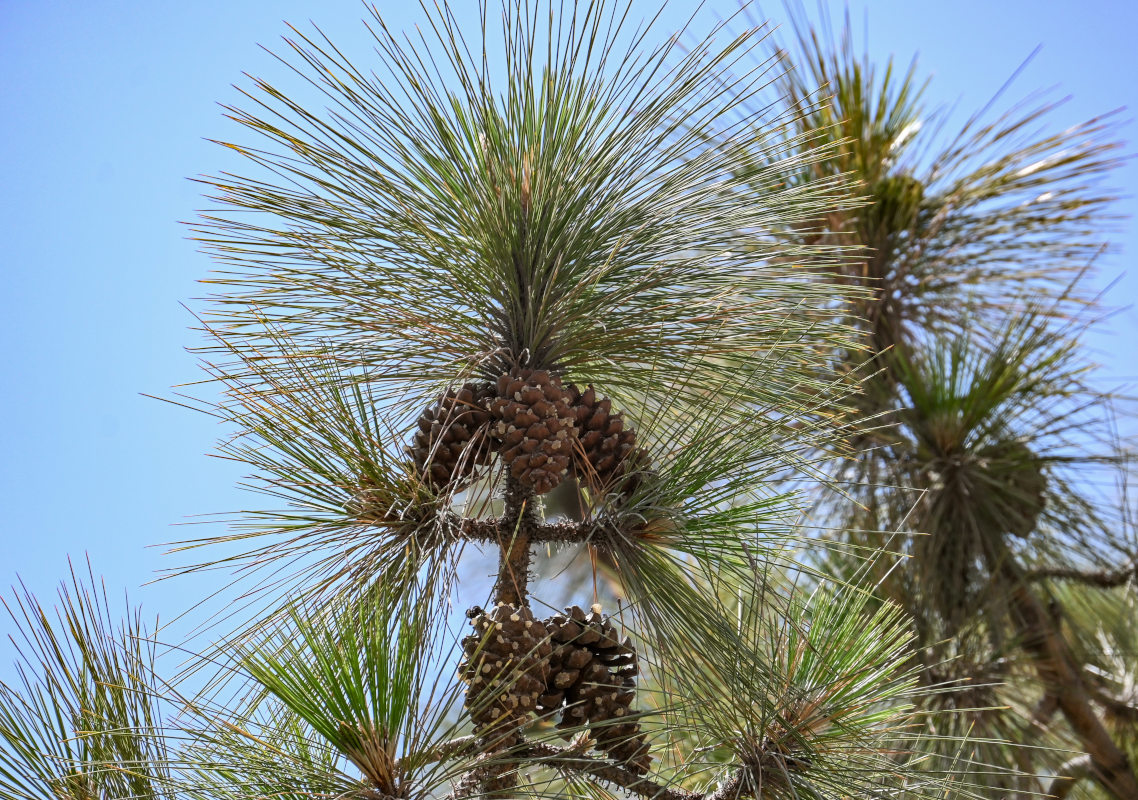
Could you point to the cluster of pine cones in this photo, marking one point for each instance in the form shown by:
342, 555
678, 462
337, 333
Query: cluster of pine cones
539, 427
574, 665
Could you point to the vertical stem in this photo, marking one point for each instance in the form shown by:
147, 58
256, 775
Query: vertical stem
515, 531
517, 526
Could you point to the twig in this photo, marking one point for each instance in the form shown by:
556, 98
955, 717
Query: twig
731, 788
513, 537
567, 759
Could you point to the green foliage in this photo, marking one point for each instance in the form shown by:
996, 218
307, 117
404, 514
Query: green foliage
825, 714
86, 718
350, 675
965, 222
437, 225
970, 417
572, 215
343, 683
264, 752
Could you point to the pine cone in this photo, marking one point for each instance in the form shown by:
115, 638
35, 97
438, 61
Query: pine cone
506, 668
534, 426
606, 446
592, 681
453, 437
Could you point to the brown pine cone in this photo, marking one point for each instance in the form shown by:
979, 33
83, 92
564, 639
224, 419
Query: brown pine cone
606, 450
453, 436
592, 681
534, 427
506, 668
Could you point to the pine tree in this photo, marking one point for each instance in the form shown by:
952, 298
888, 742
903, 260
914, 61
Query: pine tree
992, 438
489, 268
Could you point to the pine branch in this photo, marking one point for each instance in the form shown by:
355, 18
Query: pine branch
487, 531
432, 227
1105, 578
1057, 667
568, 759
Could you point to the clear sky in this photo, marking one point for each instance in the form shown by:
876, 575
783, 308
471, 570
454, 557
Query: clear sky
107, 107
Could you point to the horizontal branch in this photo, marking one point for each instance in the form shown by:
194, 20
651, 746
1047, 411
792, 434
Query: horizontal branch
488, 531
1105, 578
568, 759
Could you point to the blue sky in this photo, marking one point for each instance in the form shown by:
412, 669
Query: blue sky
107, 107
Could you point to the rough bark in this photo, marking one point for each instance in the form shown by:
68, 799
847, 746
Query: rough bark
515, 532
489, 531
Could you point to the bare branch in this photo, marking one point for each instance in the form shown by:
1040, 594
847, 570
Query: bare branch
568, 759
1105, 578
1039, 636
